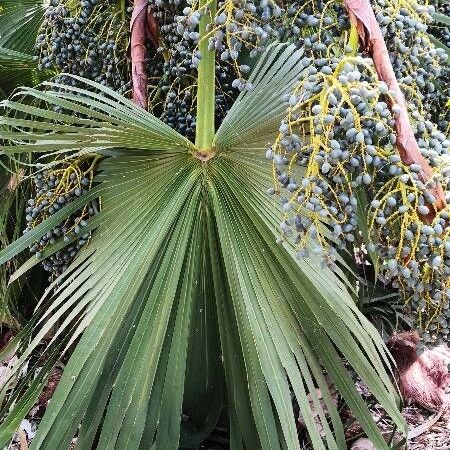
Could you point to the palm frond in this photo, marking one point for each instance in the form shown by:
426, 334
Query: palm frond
183, 262
15, 60
19, 69
89, 120
20, 21
441, 18
256, 115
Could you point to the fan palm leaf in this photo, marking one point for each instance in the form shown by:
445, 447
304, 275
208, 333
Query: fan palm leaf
18, 69
183, 302
20, 21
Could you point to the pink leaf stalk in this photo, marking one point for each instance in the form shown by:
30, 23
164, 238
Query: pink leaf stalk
138, 70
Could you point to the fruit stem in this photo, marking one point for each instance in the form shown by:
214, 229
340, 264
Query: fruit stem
205, 128
353, 40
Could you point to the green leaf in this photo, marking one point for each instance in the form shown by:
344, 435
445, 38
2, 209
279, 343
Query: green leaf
204, 383
14, 59
19, 69
109, 121
183, 274
131, 278
256, 115
342, 313
441, 18
20, 21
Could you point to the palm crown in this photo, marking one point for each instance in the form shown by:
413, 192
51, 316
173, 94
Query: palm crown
183, 301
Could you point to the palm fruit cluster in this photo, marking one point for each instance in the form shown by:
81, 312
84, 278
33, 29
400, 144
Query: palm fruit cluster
423, 73
87, 38
336, 153
421, 68
172, 63
173, 68
52, 190
239, 27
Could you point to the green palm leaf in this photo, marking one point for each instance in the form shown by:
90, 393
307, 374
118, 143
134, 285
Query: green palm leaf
441, 18
97, 119
18, 69
14, 60
20, 21
182, 293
